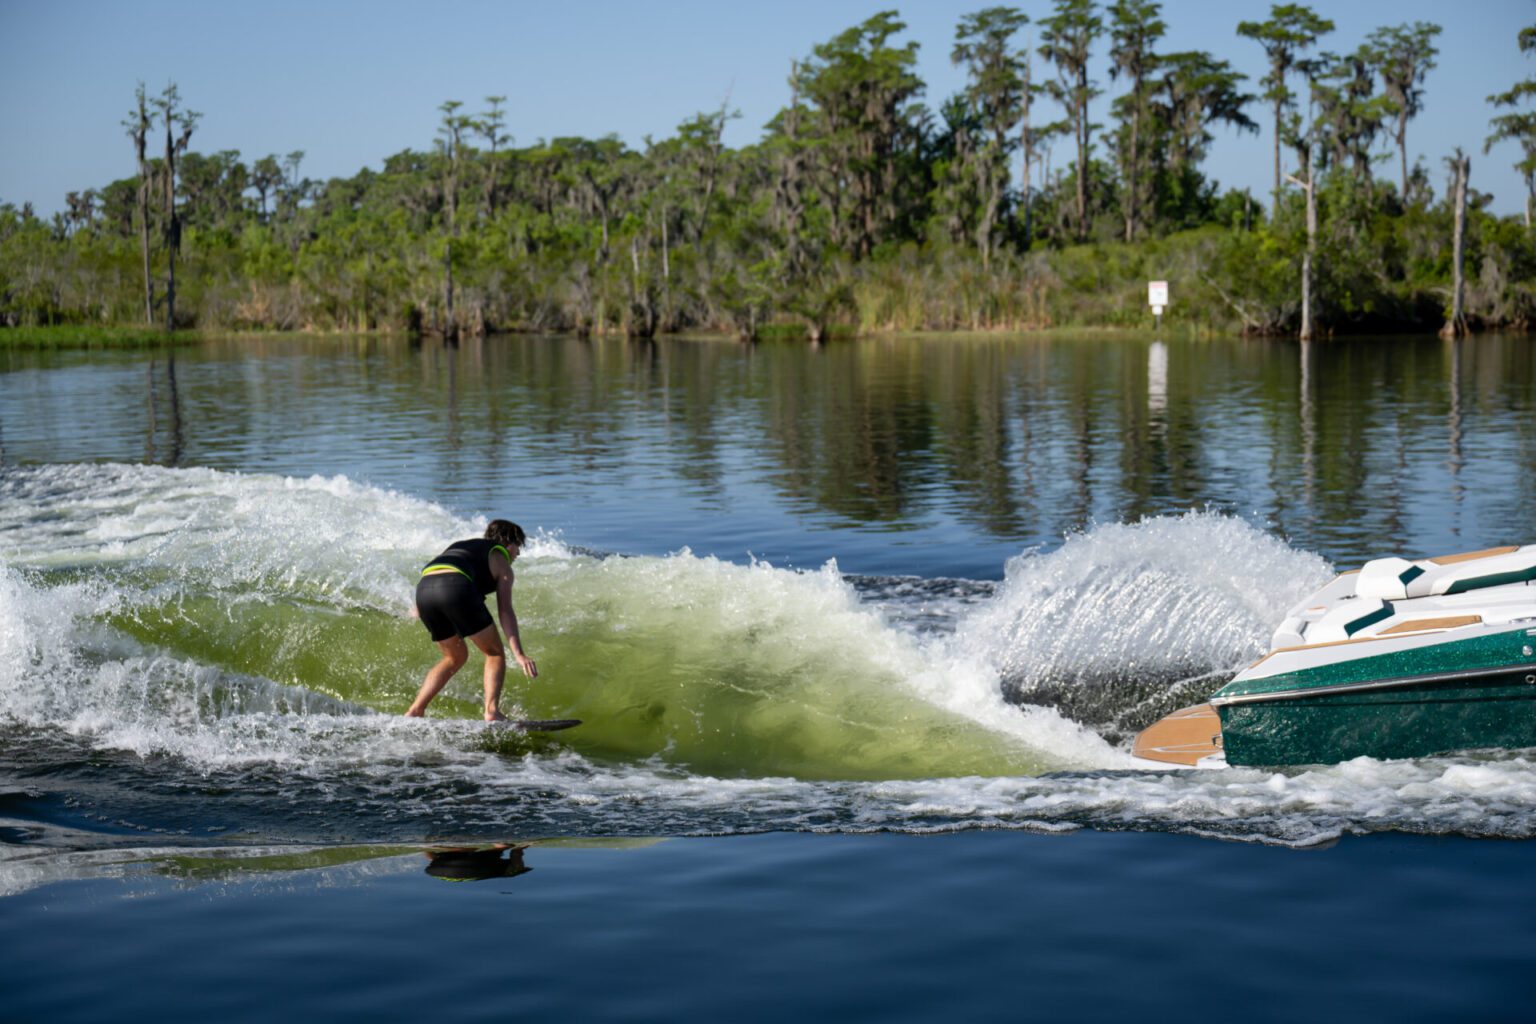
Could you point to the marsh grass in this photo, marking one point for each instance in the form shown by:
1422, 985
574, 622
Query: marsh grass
93, 336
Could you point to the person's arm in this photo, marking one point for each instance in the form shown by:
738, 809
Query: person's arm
508, 615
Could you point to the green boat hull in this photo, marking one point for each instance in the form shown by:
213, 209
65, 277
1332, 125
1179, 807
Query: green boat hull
1437, 718
1469, 695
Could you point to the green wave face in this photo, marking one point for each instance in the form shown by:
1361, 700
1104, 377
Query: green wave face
736, 671
744, 670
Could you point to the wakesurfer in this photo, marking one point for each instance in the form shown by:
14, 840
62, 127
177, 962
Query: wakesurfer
450, 601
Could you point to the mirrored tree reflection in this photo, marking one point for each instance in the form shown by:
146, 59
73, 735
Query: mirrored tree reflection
163, 443
974, 441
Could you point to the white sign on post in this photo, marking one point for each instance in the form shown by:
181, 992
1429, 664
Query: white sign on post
1157, 296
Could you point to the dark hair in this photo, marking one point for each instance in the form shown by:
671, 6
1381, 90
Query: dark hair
505, 532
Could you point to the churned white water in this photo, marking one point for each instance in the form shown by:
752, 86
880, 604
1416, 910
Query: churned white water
769, 698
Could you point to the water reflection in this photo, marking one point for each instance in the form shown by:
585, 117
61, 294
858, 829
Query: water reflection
1308, 413
476, 864
55, 855
1453, 431
169, 452
929, 455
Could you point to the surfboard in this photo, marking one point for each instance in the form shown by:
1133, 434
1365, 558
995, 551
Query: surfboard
539, 724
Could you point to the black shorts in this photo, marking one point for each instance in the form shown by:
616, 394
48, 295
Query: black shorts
449, 605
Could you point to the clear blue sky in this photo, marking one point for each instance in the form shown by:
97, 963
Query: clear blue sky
350, 82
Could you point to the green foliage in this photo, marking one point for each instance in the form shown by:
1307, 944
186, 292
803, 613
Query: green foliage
1291, 29
1519, 125
859, 210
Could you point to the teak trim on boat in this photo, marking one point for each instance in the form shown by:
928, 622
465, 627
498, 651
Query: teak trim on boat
1431, 625
1397, 632
1313, 647
1472, 556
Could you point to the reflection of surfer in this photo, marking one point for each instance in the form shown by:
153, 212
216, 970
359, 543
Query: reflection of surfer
467, 865
450, 599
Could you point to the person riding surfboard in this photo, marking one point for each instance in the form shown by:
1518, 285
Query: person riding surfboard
450, 601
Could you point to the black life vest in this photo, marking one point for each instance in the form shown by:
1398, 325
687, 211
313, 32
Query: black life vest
472, 558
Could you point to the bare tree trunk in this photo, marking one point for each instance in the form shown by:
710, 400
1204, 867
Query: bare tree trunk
984, 229
1311, 259
1131, 167
450, 327
1306, 295
1310, 186
149, 283
635, 323
711, 171
186, 120
490, 185
139, 132
450, 330
1082, 159
1456, 326
787, 203
603, 255
1274, 210
172, 226
1027, 145
1027, 199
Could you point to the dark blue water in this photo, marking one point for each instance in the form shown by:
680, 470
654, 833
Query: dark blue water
860, 634
976, 926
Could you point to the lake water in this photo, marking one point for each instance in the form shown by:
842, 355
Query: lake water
859, 634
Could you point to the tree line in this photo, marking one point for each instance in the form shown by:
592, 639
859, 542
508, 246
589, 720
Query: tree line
860, 208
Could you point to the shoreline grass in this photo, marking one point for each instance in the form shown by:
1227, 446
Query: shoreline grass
125, 338
59, 336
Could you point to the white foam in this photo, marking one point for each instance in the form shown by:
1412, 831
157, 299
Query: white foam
1197, 590
1163, 597
1299, 808
237, 530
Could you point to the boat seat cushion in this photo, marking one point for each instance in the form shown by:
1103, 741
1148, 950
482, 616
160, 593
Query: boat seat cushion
1348, 620
1396, 579
1387, 579
1517, 567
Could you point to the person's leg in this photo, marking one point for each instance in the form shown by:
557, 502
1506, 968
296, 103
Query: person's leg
489, 642
455, 654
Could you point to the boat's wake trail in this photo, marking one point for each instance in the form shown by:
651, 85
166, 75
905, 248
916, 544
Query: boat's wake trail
180, 599
212, 653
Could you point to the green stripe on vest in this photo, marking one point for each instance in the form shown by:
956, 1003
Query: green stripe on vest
436, 568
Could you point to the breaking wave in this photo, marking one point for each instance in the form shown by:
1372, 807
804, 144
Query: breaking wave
196, 652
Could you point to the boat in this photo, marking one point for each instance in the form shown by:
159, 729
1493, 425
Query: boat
1400, 658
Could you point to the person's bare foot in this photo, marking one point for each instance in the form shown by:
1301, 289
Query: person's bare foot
496, 716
